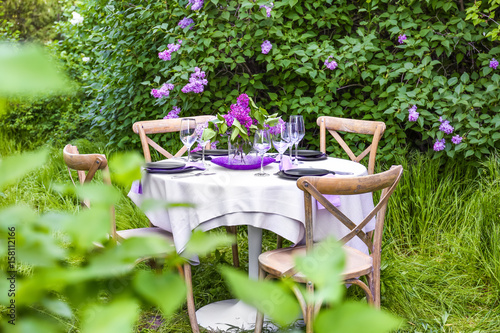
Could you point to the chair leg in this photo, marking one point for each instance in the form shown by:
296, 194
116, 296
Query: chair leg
232, 230
374, 284
309, 309
190, 299
279, 242
259, 320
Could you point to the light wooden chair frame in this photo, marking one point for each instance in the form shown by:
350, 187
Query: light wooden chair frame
359, 263
335, 125
160, 126
91, 163
148, 127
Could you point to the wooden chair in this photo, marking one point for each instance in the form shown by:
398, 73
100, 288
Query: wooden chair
90, 163
334, 125
150, 127
278, 263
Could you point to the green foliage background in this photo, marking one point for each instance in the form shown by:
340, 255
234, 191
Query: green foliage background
443, 66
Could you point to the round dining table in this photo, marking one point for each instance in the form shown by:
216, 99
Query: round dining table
227, 197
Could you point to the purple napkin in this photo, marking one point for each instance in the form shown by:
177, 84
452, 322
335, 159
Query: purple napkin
333, 198
136, 187
286, 163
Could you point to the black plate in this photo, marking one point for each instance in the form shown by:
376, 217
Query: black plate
300, 172
309, 153
158, 170
313, 158
283, 175
165, 164
212, 152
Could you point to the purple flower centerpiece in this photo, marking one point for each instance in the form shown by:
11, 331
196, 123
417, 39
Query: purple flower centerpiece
239, 125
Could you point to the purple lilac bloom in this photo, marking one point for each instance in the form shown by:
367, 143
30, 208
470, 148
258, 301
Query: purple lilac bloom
413, 114
200, 128
445, 126
494, 63
401, 38
198, 148
439, 145
241, 112
174, 113
276, 129
330, 64
197, 82
266, 47
456, 139
167, 54
268, 9
164, 91
195, 4
213, 145
186, 22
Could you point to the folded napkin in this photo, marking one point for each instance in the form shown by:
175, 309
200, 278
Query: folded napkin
286, 163
333, 198
136, 187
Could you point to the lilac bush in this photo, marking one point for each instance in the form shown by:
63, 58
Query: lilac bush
268, 9
195, 4
445, 126
164, 91
456, 139
413, 114
186, 22
174, 113
401, 38
197, 82
439, 145
266, 47
167, 54
493, 63
330, 64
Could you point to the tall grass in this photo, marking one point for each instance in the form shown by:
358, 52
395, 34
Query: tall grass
441, 254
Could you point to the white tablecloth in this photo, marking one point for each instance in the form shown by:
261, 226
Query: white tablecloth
233, 197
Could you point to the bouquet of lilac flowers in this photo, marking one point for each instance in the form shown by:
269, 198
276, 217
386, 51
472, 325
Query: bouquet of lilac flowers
242, 121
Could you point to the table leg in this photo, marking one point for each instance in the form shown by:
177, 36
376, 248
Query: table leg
226, 314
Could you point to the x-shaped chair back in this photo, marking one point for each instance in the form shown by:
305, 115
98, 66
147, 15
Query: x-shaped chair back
335, 125
316, 187
150, 127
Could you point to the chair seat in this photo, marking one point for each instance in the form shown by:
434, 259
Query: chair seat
280, 261
144, 232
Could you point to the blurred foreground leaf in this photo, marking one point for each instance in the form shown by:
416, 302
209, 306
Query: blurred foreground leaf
355, 317
202, 243
167, 291
118, 316
26, 70
14, 167
271, 298
125, 168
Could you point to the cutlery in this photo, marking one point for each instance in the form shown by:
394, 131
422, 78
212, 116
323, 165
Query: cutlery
195, 174
342, 173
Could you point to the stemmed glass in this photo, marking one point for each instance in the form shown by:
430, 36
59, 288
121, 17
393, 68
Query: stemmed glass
200, 128
297, 132
188, 134
281, 141
262, 143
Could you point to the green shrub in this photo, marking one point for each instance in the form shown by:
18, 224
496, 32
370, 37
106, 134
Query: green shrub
442, 67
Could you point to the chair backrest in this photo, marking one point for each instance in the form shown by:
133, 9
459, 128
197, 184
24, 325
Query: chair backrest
148, 127
335, 124
315, 187
89, 163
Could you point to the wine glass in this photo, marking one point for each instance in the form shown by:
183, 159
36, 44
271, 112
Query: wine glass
281, 140
188, 134
200, 128
297, 131
262, 143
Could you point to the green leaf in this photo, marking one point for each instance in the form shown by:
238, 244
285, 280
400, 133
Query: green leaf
12, 168
117, 316
126, 167
355, 317
202, 243
271, 298
166, 291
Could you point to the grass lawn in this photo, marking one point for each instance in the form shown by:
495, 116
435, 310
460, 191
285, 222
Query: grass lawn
441, 253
